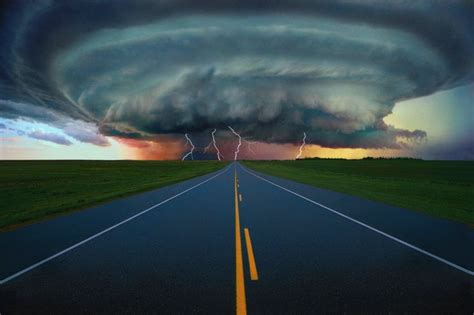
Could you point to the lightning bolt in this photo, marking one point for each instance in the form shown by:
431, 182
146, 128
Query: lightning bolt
207, 147
237, 150
213, 142
249, 144
188, 141
302, 146
215, 145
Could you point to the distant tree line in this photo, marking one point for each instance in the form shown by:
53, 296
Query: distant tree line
365, 158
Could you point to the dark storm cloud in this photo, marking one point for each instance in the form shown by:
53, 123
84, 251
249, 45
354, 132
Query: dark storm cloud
13, 110
271, 69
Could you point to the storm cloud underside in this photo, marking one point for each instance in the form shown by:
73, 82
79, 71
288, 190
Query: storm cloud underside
272, 69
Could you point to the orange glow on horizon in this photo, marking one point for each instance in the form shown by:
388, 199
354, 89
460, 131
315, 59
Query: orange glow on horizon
151, 150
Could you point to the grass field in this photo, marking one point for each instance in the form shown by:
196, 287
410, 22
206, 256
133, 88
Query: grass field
440, 188
35, 190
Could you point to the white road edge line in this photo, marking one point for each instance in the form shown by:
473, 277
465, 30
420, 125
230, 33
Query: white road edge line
41, 262
447, 262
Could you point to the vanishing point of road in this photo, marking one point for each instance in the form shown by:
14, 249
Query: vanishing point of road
237, 241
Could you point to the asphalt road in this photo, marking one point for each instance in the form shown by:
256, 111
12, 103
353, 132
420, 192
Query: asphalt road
238, 241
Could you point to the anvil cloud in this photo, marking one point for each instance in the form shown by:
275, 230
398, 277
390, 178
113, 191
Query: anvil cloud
271, 69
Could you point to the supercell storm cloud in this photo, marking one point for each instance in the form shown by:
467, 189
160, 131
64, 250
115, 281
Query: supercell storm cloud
270, 69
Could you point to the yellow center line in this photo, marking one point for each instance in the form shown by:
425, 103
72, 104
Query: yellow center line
252, 265
241, 304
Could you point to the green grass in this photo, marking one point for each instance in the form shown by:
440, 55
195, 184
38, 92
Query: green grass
441, 188
35, 190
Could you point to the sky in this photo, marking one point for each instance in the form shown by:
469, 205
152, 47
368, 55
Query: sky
273, 79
